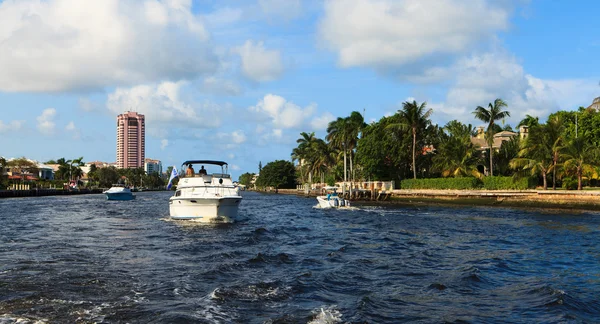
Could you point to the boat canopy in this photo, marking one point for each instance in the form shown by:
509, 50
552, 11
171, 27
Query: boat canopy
219, 163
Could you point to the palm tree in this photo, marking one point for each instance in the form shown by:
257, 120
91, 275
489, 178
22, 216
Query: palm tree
76, 171
535, 157
302, 153
356, 123
456, 155
529, 121
414, 117
490, 116
577, 155
554, 130
337, 136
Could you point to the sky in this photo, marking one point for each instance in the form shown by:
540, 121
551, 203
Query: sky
240, 80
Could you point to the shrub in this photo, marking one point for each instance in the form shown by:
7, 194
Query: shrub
441, 183
569, 183
508, 183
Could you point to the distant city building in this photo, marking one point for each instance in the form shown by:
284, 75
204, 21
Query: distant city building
131, 140
98, 164
152, 166
595, 104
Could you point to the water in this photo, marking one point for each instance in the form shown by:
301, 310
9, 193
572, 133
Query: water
82, 259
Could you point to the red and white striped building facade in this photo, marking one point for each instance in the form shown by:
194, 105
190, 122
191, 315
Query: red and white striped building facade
131, 140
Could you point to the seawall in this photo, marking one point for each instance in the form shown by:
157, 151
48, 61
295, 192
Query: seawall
46, 192
568, 199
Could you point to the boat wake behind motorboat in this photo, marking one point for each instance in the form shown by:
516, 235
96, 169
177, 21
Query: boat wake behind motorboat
205, 197
332, 199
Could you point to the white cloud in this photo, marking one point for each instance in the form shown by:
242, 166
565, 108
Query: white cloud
46, 121
283, 113
164, 143
285, 10
223, 16
70, 126
258, 63
62, 45
73, 129
235, 167
218, 86
86, 104
480, 79
393, 33
13, 126
165, 107
232, 139
321, 122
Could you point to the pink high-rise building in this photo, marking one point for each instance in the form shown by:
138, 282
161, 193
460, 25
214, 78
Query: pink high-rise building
131, 140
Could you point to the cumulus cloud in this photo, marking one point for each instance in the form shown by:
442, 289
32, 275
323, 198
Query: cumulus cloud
480, 79
258, 63
385, 34
281, 10
217, 86
283, 114
71, 128
45, 121
164, 143
165, 107
64, 45
13, 126
228, 140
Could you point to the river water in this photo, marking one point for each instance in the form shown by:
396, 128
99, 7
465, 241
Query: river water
82, 259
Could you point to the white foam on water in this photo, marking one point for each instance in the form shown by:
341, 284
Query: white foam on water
329, 315
11, 319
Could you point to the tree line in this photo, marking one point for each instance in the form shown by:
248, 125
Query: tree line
70, 170
562, 151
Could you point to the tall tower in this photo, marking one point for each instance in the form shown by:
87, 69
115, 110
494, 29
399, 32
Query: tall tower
131, 140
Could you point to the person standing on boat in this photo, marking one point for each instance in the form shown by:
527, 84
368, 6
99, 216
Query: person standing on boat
190, 171
202, 171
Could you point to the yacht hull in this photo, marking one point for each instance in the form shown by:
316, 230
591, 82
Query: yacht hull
205, 210
332, 202
119, 196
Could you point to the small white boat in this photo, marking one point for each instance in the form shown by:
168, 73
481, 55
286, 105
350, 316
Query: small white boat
204, 197
331, 199
119, 192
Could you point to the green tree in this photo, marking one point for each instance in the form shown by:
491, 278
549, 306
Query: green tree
75, 168
508, 151
93, 174
413, 118
578, 155
3, 178
246, 179
456, 155
356, 124
304, 154
490, 116
529, 121
278, 174
338, 134
381, 153
554, 133
107, 176
535, 156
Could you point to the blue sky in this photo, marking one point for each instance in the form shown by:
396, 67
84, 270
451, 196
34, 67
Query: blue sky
239, 80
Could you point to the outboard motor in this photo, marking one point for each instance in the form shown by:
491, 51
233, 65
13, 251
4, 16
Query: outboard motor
336, 202
342, 202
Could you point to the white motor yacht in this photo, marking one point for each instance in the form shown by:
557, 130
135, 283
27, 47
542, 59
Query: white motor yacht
119, 192
205, 197
331, 199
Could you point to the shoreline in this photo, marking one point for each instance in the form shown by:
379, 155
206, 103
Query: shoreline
556, 199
